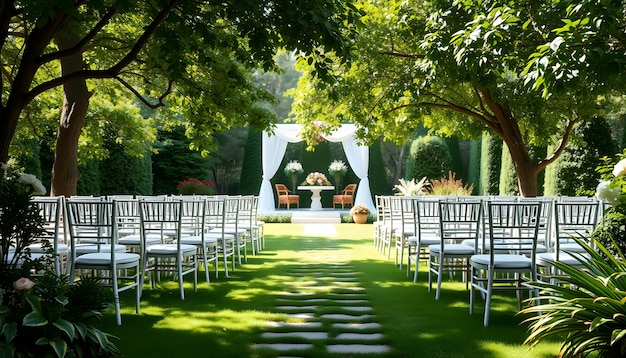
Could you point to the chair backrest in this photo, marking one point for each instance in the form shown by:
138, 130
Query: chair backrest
281, 189
92, 222
513, 227
574, 219
160, 215
51, 211
193, 216
427, 211
349, 190
460, 221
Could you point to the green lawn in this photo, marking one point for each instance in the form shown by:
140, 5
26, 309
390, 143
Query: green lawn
225, 318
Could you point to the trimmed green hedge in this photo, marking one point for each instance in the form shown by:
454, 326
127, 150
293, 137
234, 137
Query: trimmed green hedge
428, 157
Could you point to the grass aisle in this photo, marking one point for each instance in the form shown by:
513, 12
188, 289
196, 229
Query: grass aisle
295, 282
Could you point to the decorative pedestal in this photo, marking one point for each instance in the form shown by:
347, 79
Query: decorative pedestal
316, 198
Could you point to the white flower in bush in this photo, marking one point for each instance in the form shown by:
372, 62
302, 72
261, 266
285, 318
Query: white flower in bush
608, 192
337, 167
29, 179
620, 168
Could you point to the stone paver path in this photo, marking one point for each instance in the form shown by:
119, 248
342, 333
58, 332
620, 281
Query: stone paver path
333, 310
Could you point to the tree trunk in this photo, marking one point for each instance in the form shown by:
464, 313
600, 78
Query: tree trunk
525, 168
65, 172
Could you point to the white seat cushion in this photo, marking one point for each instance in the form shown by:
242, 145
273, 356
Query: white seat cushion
452, 249
134, 240
197, 241
503, 261
170, 249
546, 259
103, 258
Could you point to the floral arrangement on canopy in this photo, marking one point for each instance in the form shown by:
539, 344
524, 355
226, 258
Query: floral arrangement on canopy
316, 178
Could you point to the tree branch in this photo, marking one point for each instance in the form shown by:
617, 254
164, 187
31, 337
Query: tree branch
143, 99
568, 130
115, 69
79, 45
401, 54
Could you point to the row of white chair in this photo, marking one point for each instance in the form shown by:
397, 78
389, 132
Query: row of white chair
127, 239
482, 237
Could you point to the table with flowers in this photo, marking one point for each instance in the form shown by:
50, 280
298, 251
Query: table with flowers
316, 182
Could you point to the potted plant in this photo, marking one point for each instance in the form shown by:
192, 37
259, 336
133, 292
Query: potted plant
360, 213
292, 170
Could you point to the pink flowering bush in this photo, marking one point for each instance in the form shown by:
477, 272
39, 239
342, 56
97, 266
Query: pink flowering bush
195, 186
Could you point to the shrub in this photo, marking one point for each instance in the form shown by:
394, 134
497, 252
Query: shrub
450, 186
428, 157
195, 186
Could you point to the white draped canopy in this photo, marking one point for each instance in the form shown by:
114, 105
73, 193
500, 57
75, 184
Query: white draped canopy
274, 148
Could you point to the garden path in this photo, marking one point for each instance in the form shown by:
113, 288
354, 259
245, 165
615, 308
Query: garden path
324, 294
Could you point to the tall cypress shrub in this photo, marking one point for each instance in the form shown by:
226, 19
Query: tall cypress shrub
508, 177
456, 162
377, 176
474, 166
490, 162
122, 173
252, 167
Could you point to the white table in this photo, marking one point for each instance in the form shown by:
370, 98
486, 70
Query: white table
316, 202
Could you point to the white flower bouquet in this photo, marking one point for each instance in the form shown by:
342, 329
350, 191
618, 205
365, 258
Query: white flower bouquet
337, 167
293, 167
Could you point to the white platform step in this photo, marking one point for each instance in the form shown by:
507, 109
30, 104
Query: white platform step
316, 216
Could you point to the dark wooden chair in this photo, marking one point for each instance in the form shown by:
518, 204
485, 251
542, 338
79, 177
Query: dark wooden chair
345, 197
285, 197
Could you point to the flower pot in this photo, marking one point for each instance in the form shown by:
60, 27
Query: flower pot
359, 218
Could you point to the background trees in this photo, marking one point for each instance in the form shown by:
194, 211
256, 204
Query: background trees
463, 68
198, 51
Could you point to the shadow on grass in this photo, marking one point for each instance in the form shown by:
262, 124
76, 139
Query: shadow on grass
226, 318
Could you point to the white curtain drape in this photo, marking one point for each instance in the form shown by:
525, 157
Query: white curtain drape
274, 147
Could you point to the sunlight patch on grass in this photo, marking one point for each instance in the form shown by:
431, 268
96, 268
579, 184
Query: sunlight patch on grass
211, 322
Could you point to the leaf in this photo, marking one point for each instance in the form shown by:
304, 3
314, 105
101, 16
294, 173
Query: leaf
9, 330
34, 319
554, 45
60, 346
66, 327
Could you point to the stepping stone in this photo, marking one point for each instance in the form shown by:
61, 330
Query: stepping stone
370, 325
307, 300
284, 346
295, 324
292, 308
347, 301
346, 317
357, 348
360, 336
305, 335
295, 294
357, 308
302, 315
